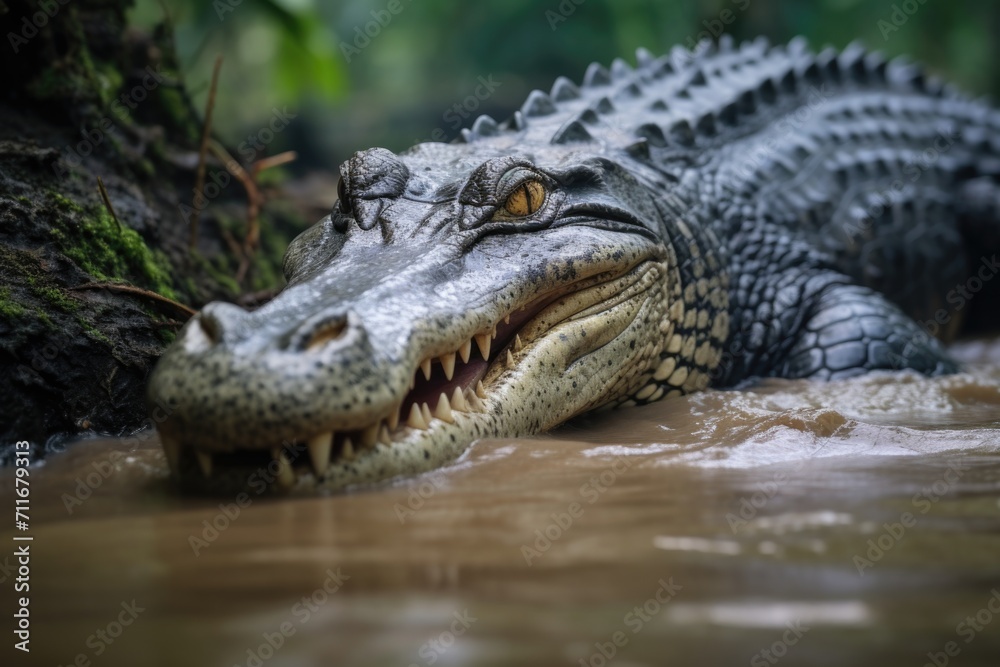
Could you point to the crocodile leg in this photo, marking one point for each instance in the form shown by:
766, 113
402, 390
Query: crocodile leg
852, 330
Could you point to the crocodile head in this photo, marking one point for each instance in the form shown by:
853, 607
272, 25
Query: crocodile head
452, 294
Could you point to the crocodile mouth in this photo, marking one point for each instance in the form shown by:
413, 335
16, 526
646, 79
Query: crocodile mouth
446, 390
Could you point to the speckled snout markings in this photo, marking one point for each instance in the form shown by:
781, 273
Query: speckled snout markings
690, 221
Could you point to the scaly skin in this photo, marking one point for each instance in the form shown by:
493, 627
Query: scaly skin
744, 212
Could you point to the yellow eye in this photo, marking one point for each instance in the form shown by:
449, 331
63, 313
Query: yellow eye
527, 199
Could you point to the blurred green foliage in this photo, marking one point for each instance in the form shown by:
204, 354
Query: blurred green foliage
391, 72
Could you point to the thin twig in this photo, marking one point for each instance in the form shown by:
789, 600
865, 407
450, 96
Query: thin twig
252, 239
255, 200
206, 129
274, 161
138, 291
107, 203
234, 247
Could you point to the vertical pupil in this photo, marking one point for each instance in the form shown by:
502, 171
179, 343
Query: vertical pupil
527, 198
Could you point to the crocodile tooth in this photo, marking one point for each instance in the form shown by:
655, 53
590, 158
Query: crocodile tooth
383, 435
172, 450
347, 450
393, 419
416, 419
319, 452
510, 359
425, 366
493, 334
425, 411
480, 390
506, 318
458, 401
369, 436
465, 351
448, 364
285, 476
443, 410
483, 341
472, 401
204, 462
518, 345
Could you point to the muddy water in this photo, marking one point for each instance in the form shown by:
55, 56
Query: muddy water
854, 523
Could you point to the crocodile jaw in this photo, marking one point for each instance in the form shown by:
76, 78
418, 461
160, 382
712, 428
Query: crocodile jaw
544, 373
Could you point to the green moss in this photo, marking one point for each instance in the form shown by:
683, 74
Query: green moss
174, 106
222, 272
9, 309
109, 82
166, 336
93, 332
109, 251
15, 304
49, 84
66, 204
53, 296
266, 272
145, 167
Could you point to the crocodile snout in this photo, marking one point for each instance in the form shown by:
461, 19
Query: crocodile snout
253, 379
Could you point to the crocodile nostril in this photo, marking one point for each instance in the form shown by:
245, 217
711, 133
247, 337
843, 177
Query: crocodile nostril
218, 323
326, 333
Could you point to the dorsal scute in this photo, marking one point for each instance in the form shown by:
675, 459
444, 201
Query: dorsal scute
620, 70
697, 96
644, 57
563, 90
538, 104
485, 126
572, 132
597, 75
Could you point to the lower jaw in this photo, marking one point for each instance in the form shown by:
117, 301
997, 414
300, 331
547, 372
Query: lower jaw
259, 472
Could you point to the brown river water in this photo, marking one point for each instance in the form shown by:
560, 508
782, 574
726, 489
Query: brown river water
851, 523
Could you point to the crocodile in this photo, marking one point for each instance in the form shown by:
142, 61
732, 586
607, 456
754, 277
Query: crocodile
698, 219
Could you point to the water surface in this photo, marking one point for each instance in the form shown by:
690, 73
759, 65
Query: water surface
851, 523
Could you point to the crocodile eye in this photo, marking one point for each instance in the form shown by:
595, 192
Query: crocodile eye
525, 200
